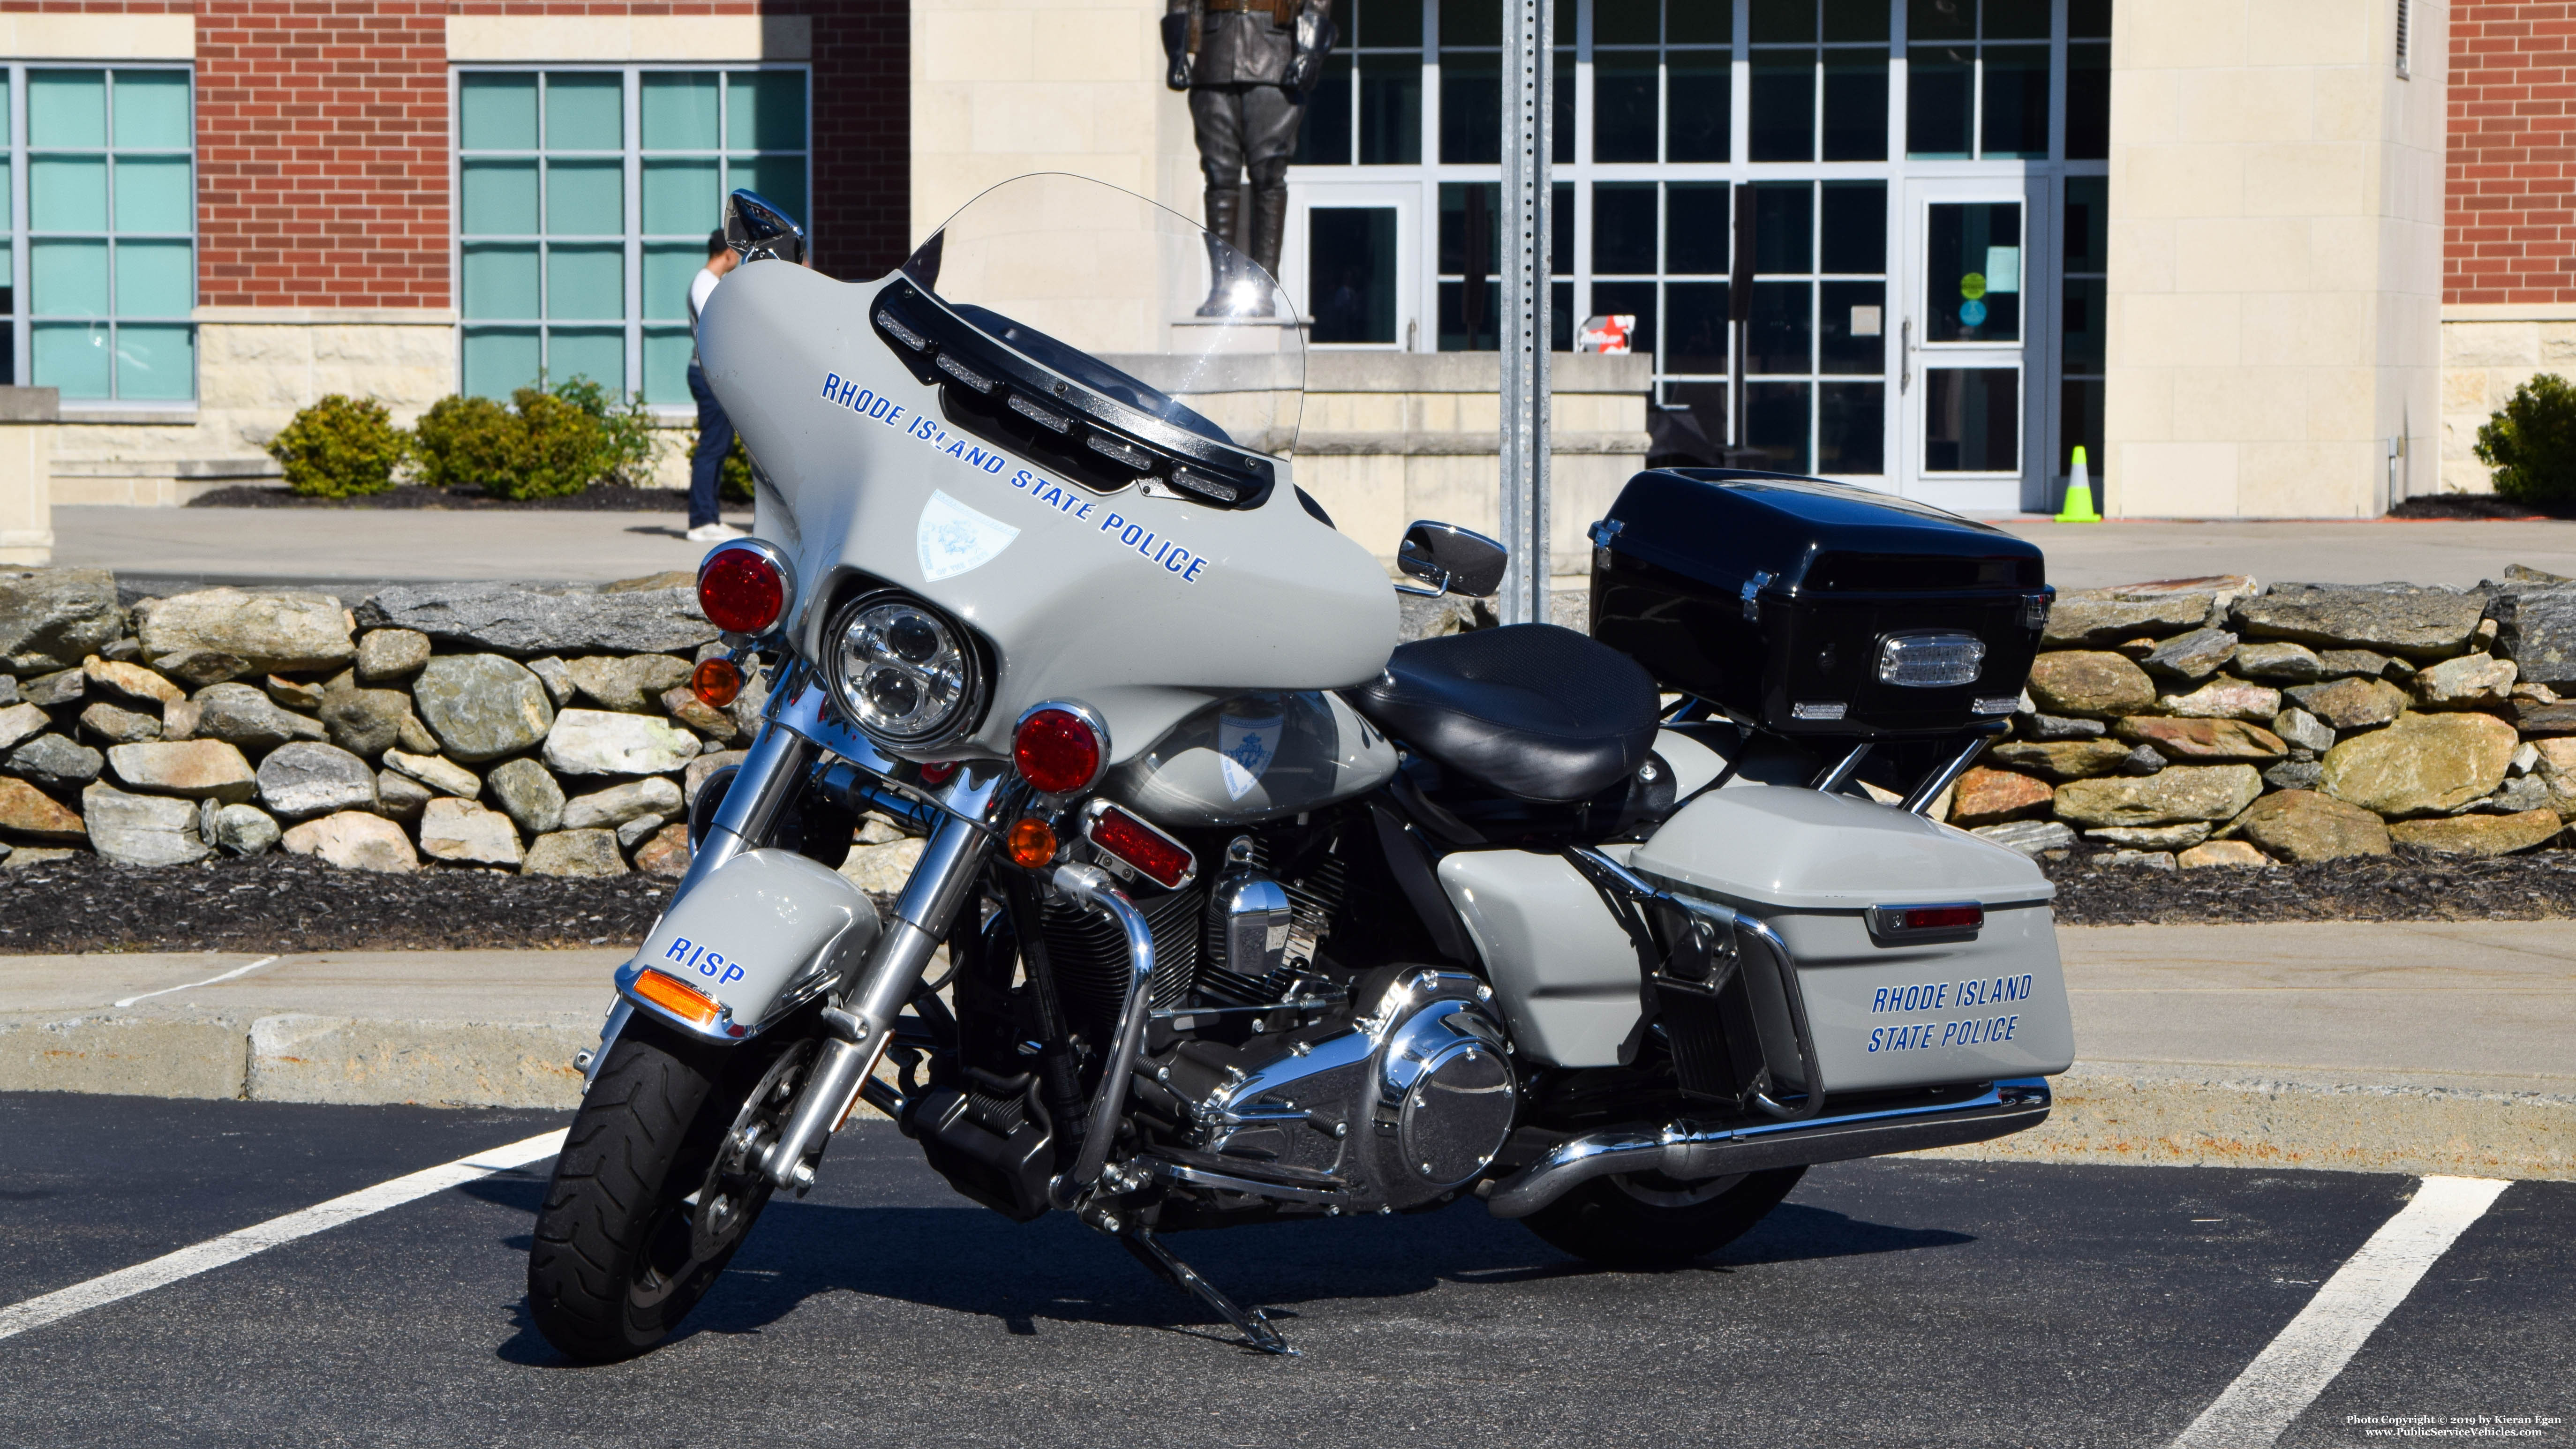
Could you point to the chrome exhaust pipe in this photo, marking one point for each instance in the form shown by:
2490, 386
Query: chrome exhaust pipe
1687, 1152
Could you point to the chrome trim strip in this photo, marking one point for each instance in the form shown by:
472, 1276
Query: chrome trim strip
1082, 712
1097, 807
776, 558
1201, 1177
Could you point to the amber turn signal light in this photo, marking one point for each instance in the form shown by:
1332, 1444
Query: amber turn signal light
1031, 842
716, 682
678, 998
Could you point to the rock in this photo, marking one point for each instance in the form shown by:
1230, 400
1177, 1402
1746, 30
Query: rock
507, 619
29, 812
55, 618
2536, 629
2479, 834
414, 736
2525, 760
2424, 764
2295, 775
294, 694
2142, 859
2527, 792
21, 722
142, 829
2143, 760
400, 797
882, 869
22, 856
123, 651
2092, 684
2351, 704
2472, 681
746, 706
119, 726
682, 704
2204, 739
2306, 827
354, 840
607, 809
53, 691
55, 761
130, 682
385, 655
635, 831
2059, 727
574, 852
2299, 728
1990, 797
2092, 621
2545, 719
240, 715
197, 668
2153, 837
438, 774
704, 765
482, 706
529, 795
179, 719
666, 854
245, 830
2193, 656
2363, 663
598, 742
2408, 620
2170, 797
9, 693
2278, 659
303, 780
462, 831
196, 770
2062, 759
279, 630
365, 722
2557, 756
558, 679
2524, 692
632, 684
2224, 854
666, 579
2030, 837
2225, 698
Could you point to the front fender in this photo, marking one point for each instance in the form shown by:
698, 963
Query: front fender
759, 936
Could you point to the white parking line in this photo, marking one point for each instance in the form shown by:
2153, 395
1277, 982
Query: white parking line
213, 1253
209, 981
2295, 1367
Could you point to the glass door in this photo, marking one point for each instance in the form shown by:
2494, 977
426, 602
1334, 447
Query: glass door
1344, 260
1962, 332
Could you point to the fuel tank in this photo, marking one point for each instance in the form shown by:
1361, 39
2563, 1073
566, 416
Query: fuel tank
1254, 757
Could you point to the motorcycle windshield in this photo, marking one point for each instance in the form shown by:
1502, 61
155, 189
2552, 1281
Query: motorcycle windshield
1128, 300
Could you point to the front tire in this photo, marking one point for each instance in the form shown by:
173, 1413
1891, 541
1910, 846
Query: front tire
1647, 1222
647, 1203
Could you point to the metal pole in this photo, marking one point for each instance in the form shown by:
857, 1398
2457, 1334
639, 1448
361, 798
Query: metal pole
1529, 70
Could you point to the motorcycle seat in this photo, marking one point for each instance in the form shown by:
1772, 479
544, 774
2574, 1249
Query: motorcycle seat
1531, 710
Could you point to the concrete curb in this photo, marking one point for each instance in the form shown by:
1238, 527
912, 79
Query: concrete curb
2147, 1116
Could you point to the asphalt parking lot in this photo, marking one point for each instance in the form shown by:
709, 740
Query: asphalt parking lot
1892, 1302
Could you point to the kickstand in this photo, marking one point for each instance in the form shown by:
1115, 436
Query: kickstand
1149, 1250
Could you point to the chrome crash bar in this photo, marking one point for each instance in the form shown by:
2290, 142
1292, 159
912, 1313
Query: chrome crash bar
1089, 886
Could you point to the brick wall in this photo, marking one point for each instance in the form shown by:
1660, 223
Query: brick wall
322, 140
2510, 212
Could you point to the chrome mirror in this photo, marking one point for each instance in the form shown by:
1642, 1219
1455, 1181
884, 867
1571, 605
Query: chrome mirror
759, 232
1452, 560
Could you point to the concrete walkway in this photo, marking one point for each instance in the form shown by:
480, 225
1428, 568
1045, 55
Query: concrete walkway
2363, 551
2423, 1047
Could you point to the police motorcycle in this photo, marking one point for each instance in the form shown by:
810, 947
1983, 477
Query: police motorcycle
1228, 907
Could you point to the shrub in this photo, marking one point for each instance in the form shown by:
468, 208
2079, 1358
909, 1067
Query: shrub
546, 444
2531, 444
463, 442
627, 438
555, 449
339, 446
734, 480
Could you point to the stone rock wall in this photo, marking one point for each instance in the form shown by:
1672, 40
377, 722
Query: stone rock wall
2298, 722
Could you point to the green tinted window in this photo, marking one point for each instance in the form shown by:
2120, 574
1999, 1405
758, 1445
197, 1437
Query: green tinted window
111, 222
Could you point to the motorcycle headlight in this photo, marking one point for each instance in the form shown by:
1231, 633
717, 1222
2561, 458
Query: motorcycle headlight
906, 673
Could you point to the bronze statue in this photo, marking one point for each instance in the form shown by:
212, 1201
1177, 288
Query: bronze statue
1248, 66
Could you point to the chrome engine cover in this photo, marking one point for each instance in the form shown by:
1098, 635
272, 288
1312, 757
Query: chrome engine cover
1401, 1106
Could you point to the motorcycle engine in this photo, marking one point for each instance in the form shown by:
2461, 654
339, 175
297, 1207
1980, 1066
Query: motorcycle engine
1393, 1109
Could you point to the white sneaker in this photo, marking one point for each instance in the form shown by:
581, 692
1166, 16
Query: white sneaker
714, 533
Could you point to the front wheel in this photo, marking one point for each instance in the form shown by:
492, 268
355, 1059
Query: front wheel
657, 1186
1644, 1220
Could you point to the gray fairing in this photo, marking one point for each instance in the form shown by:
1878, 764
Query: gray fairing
1028, 560
1254, 757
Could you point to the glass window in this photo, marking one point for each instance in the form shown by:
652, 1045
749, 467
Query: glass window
110, 234
1972, 272
1471, 297
2080, 355
2088, 102
1623, 228
1367, 106
563, 274
1979, 78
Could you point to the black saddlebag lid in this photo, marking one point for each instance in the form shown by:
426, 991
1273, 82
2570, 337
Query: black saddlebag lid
1723, 526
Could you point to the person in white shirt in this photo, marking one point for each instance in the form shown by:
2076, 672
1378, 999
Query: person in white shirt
715, 430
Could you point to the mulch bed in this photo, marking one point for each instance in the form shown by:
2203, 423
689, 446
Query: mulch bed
599, 498
2475, 506
285, 903
2403, 887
